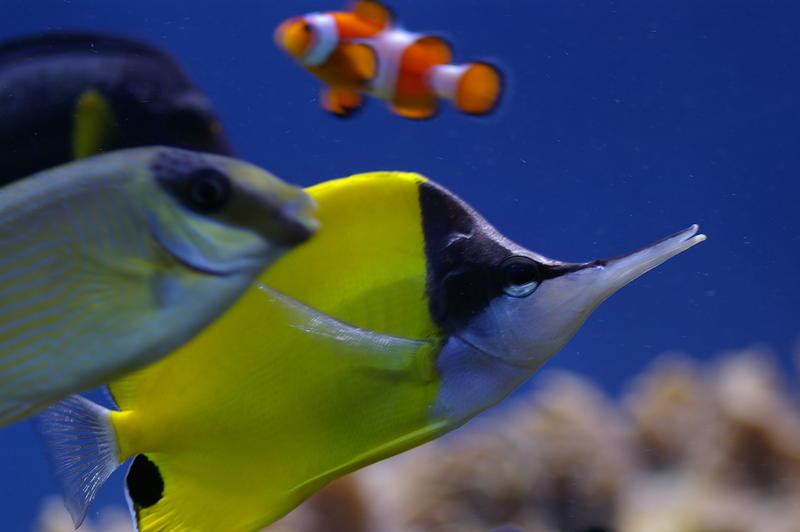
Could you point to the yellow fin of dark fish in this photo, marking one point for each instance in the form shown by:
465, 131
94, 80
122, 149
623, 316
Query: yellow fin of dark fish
93, 126
373, 11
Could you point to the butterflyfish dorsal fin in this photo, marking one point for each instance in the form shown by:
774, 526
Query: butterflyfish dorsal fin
93, 125
373, 11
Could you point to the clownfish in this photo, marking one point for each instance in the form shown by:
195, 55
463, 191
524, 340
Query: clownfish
363, 51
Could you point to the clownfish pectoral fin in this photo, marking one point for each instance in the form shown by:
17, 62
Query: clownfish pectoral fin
417, 112
361, 59
362, 347
374, 12
341, 102
474, 87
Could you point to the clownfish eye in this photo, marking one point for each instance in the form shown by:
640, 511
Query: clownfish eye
207, 190
520, 276
307, 27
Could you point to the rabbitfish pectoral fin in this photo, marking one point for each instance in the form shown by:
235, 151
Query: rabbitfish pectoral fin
363, 347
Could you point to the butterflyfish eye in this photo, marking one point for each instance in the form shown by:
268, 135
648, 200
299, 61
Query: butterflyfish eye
208, 190
520, 276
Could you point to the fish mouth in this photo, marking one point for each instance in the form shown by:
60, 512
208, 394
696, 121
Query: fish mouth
621, 270
297, 219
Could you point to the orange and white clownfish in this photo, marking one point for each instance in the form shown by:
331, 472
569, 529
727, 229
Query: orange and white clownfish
363, 51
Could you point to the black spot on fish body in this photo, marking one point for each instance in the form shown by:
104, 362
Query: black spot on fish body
144, 482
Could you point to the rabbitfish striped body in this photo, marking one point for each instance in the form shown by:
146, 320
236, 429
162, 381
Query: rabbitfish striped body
110, 263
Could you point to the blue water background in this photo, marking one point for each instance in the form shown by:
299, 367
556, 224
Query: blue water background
622, 122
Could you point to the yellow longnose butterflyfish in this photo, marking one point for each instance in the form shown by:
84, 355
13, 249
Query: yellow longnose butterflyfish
404, 317
113, 262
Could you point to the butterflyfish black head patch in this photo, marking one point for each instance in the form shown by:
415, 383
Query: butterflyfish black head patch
470, 262
144, 482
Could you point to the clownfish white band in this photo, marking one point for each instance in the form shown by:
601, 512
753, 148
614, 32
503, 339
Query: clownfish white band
389, 47
444, 79
327, 38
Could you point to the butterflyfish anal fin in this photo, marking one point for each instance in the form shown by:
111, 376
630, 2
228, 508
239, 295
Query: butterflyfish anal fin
341, 102
93, 125
362, 59
415, 112
362, 347
373, 11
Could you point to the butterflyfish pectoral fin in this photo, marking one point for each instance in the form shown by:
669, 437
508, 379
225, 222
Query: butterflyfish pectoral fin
341, 102
420, 112
93, 125
363, 347
374, 12
81, 446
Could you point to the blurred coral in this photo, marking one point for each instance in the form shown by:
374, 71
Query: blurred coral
688, 448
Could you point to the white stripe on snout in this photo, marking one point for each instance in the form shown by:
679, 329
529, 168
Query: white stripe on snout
327, 38
444, 79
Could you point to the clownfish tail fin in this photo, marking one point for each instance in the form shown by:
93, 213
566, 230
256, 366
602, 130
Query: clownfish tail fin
474, 88
82, 450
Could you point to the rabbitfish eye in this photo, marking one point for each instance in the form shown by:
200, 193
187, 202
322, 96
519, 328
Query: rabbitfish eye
521, 276
207, 190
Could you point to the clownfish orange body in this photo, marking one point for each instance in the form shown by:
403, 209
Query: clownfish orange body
362, 51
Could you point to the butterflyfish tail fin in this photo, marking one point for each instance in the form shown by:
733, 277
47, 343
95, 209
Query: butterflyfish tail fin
82, 450
474, 88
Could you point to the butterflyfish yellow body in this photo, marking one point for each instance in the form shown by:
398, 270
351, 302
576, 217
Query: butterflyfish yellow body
405, 316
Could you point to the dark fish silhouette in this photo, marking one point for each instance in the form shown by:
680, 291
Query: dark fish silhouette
70, 95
